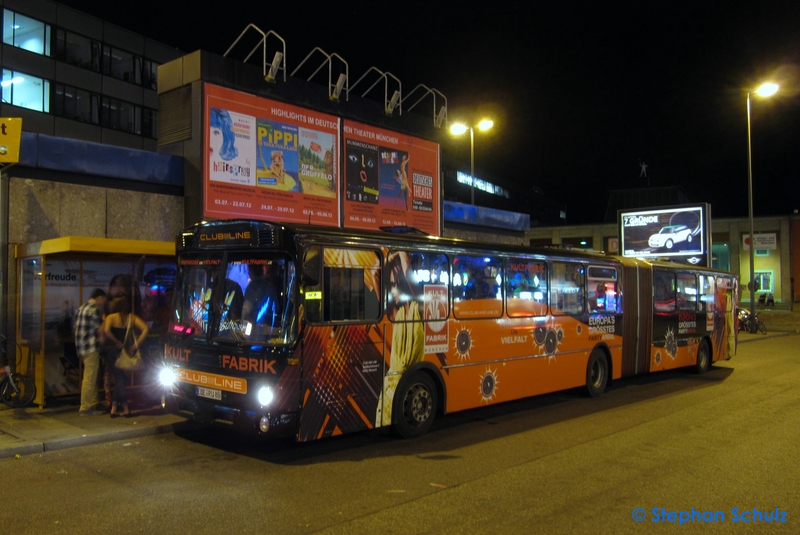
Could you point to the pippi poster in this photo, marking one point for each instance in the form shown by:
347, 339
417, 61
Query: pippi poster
269, 160
391, 179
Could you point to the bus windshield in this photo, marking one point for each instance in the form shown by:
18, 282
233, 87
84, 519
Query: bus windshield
245, 297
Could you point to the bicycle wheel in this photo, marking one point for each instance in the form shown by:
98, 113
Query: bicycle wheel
761, 327
20, 396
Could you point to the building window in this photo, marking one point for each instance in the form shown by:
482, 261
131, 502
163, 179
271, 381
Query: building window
150, 74
76, 104
25, 91
149, 122
77, 50
764, 281
26, 33
120, 115
122, 65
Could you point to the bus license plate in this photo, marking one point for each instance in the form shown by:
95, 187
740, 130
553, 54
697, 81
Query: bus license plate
209, 393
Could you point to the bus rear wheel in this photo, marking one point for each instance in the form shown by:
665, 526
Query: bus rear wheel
703, 358
415, 405
596, 373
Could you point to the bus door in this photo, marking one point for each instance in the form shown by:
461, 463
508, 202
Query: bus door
342, 349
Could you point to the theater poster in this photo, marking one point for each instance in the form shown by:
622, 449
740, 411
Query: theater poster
390, 179
269, 160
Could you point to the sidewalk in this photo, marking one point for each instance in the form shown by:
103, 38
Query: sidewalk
58, 426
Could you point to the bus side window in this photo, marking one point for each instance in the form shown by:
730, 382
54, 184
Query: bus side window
687, 292
602, 292
567, 285
526, 287
350, 285
477, 286
707, 293
416, 285
663, 291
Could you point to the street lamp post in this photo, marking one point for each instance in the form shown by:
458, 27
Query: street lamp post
765, 90
459, 128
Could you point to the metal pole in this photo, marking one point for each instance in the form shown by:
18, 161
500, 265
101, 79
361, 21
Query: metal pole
4, 180
472, 164
752, 283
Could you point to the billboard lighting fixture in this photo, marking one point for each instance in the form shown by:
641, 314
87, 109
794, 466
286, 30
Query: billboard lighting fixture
440, 117
337, 89
393, 103
274, 66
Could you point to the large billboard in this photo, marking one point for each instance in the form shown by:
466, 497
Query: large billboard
269, 160
677, 233
390, 179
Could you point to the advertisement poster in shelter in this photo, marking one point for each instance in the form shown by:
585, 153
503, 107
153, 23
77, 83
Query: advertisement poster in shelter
390, 179
269, 160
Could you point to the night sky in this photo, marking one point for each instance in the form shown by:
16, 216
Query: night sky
580, 92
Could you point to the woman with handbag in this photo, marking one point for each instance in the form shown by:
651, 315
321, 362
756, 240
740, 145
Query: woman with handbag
124, 333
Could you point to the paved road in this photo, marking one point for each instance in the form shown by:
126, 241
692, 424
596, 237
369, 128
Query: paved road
555, 464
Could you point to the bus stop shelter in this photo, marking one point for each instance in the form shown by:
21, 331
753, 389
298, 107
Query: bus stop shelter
54, 277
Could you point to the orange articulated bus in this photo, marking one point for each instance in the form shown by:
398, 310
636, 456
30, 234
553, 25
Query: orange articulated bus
312, 333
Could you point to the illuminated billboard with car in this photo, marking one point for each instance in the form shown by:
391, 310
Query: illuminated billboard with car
678, 233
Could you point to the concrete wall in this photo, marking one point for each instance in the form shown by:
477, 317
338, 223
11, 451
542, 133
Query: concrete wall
42, 210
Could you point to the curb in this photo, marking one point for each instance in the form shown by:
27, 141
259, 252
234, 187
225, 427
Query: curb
765, 337
33, 448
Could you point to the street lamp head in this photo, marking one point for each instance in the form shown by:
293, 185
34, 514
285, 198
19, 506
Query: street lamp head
485, 124
458, 128
767, 90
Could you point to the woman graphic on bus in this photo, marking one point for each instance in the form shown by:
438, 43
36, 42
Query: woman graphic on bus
407, 330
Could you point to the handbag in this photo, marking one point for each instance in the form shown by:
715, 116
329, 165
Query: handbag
126, 361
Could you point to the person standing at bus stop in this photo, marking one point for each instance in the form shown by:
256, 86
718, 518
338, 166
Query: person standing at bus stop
88, 322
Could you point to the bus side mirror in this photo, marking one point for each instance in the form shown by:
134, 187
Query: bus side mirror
311, 267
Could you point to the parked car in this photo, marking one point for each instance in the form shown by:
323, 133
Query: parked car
669, 235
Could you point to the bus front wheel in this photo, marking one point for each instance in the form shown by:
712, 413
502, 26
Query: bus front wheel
596, 373
415, 405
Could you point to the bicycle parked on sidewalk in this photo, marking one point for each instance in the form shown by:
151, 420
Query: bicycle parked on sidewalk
750, 323
16, 389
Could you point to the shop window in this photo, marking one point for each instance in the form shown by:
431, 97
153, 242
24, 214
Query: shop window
721, 256
477, 284
26, 33
26, 91
567, 284
603, 291
526, 287
764, 281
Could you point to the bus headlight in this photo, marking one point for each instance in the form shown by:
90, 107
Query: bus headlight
265, 396
167, 377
